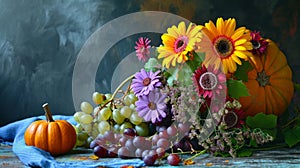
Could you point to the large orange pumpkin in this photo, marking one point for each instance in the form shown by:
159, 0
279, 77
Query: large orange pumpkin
56, 137
269, 83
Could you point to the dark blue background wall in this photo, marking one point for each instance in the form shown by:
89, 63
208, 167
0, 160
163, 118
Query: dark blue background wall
40, 40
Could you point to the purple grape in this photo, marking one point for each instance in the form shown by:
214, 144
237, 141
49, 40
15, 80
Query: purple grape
172, 130
160, 152
163, 143
129, 145
130, 132
153, 153
173, 159
138, 153
163, 134
112, 152
160, 128
124, 153
139, 142
149, 160
109, 136
183, 127
123, 140
145, 153
155, 138
100, 151
93, 144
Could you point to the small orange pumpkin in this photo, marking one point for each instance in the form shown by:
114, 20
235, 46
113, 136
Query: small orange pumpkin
56, 137
269, 83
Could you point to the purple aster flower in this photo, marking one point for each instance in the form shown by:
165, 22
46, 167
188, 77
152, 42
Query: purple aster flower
144, 82
152, 107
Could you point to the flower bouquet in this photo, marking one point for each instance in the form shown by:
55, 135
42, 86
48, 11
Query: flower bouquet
211, 88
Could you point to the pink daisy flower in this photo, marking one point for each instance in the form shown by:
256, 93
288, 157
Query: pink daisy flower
209, 81
142, 48
144, 82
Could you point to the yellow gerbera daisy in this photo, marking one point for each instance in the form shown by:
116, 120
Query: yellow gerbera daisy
224, 45
177, 43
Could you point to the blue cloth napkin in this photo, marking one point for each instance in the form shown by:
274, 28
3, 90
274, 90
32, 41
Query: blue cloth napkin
13, 134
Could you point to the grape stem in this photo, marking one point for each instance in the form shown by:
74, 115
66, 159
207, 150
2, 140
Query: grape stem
119, 87
115, 93
196, 155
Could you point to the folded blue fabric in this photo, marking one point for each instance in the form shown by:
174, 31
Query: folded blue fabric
13, 133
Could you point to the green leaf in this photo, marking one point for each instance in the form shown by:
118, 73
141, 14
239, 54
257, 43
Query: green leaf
244, 153
196, 61
151, 65
242, 71
297, 87
253, 143
237, 89
292, 136
261, 120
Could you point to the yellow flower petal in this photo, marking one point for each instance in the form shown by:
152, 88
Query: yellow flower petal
220, 25
240, 41
241, 48
240, 54
238, 33
236, 59
230, 28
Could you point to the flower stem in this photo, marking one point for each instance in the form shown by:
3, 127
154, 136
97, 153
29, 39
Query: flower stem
196, 155
271, 147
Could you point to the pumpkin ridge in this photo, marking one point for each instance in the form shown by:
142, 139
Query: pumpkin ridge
61, 147
279, 69
270, 58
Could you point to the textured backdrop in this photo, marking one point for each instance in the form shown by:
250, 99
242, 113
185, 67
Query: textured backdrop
40, 40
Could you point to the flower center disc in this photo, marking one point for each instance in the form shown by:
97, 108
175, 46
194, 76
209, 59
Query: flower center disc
146, 81
255, 44
180, 44
223, 46
230, 119
208, 81
152, 106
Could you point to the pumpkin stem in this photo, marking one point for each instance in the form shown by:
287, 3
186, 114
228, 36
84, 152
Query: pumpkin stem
263, 79
47, 112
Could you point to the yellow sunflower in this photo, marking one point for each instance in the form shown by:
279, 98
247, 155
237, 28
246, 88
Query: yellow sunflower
224, 45
177, 43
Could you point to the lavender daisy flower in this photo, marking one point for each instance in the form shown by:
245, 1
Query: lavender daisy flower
144, 82
152, 107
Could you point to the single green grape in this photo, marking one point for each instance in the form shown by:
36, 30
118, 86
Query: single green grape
135, 119
126, 111
142, 129
86, 107
87, 127
132, 98
117, 117
86, 119
103, 127
82, 136
77, 116
98, 98
105, 113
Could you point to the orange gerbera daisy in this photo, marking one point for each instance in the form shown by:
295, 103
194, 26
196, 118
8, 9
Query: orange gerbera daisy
177, 43
224, 45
